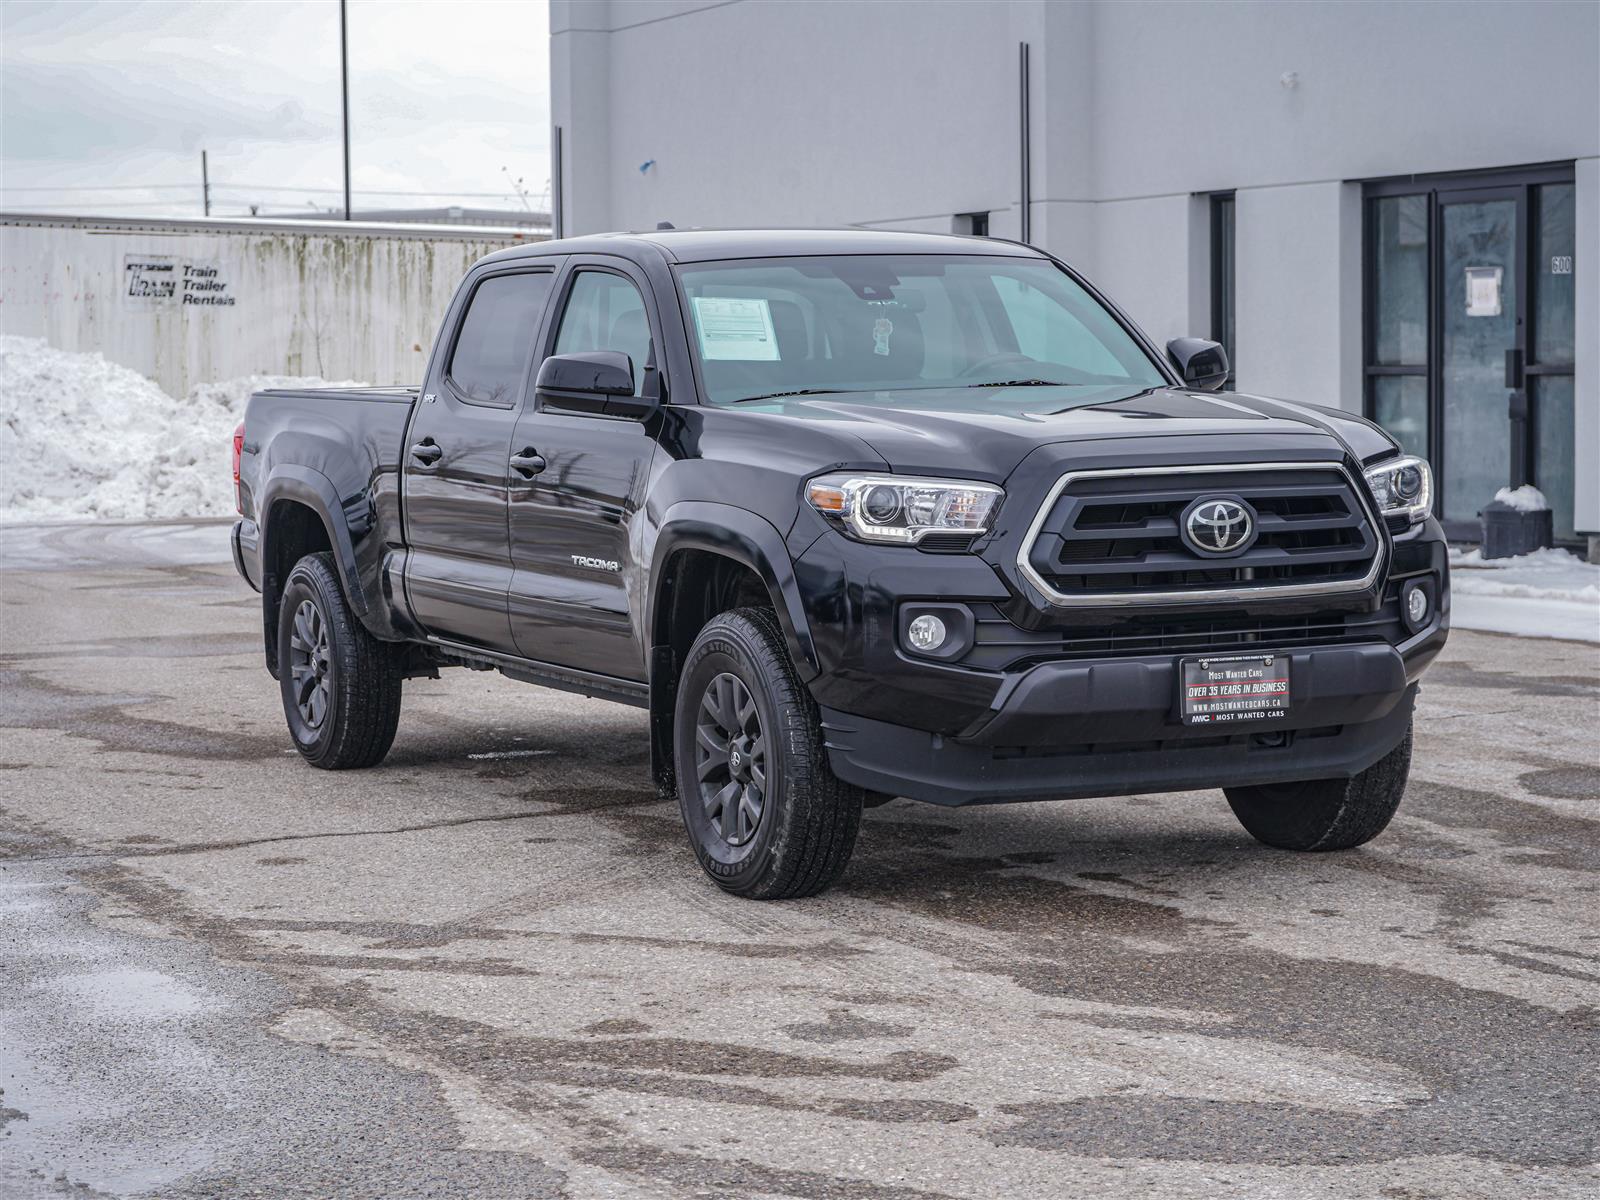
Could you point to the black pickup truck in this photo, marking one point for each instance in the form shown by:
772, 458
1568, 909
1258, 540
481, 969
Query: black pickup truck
854, 515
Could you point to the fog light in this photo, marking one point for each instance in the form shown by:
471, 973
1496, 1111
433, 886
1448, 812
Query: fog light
926, 632
1417, 603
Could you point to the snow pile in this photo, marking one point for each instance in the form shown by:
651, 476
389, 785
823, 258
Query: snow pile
1549, 593
1526, 498
81, 437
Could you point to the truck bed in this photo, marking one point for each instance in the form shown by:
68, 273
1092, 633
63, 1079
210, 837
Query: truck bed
337, 451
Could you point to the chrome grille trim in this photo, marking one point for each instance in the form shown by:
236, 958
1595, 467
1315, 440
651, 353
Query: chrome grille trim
1206, 595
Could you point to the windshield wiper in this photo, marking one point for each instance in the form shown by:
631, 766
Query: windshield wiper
796, 392
1022, 383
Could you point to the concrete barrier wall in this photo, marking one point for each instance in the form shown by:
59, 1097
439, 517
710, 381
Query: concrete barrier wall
187, 302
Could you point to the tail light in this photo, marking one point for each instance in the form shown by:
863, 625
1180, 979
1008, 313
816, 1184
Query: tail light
238, 449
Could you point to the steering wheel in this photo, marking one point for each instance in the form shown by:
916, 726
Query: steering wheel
991, 361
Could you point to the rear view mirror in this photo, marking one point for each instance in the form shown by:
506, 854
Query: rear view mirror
597, 382
1203, 364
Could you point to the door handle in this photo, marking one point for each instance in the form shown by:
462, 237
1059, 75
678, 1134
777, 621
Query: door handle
528, 462
427, 452
1514, 368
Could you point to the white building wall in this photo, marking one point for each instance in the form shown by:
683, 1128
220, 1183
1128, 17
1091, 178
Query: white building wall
1298, 266
901, 115
286, 299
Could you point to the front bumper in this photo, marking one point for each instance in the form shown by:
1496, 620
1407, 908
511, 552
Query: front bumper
910, 762
1092, 724
1111, 728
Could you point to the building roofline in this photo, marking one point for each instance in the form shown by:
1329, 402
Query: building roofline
293, 225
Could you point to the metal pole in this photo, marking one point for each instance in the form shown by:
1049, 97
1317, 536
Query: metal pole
1027, 151
205, 184
556, 206
344, 90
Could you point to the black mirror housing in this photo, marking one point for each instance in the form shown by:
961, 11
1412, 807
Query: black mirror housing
596, 382
1203, 364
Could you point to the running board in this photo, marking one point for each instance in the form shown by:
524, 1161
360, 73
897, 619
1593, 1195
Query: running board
550, 675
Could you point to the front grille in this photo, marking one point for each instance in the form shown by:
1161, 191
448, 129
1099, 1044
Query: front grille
1114, 537
1000, 645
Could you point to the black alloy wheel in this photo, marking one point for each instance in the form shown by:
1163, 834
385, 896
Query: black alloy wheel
310, 672
731, 759
340, 685
764, 812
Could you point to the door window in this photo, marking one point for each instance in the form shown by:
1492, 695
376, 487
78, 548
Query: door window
1479, 318
491, 352
606, 312
1550, 367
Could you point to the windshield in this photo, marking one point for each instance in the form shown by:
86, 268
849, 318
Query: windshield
767, 328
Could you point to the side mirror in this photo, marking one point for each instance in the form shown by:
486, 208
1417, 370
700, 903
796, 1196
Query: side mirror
1203, 364
598, 382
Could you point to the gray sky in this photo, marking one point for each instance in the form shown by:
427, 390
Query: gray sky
108, 104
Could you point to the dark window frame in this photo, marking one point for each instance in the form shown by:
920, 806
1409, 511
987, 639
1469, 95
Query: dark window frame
977, 223
1223, 216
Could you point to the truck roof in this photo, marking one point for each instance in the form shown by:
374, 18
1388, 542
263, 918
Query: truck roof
708, 245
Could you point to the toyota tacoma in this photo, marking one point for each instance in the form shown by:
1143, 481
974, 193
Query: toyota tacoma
854, 515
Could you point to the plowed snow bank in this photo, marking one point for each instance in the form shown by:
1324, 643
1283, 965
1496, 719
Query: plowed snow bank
81, 437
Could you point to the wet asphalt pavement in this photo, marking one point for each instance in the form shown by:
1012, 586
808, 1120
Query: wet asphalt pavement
491, 968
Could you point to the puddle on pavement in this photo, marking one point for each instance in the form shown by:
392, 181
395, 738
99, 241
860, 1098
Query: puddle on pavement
132, 995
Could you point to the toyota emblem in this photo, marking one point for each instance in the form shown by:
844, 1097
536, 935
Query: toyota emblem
1218, 526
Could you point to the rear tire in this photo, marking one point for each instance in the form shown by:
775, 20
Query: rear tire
1325, 814
340, 685
765, 815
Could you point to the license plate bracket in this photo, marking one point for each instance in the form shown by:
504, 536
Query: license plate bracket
1233, 689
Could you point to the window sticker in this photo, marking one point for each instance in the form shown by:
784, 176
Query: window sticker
735, 329
1483, 291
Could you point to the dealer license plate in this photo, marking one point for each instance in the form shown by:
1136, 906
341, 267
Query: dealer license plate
1238, 688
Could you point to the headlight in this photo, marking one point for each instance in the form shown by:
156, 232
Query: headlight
1403, 487
894, 508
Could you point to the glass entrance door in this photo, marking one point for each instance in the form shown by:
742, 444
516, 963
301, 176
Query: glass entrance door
1479, 329
1470, 333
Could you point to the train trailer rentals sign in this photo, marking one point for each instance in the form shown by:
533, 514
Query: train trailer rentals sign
162, 279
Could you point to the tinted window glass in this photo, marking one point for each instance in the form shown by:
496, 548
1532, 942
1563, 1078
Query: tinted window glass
1400, 280
1553, 311
491, 354
605, 312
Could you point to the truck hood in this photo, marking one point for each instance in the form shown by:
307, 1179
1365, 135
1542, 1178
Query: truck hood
985, 433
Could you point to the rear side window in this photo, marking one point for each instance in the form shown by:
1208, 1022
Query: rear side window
496, 339
605, 312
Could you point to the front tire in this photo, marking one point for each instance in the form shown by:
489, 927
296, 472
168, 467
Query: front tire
340, 685
1325, 814
765, 815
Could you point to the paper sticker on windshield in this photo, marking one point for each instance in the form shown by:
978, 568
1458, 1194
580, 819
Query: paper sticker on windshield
735, 328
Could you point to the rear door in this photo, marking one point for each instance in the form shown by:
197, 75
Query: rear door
573, 519
456, 455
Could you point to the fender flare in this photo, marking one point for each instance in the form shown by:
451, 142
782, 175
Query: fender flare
316, 491
747, 538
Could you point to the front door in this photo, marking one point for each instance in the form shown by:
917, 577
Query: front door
456, 460
576, 495
1470, 334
